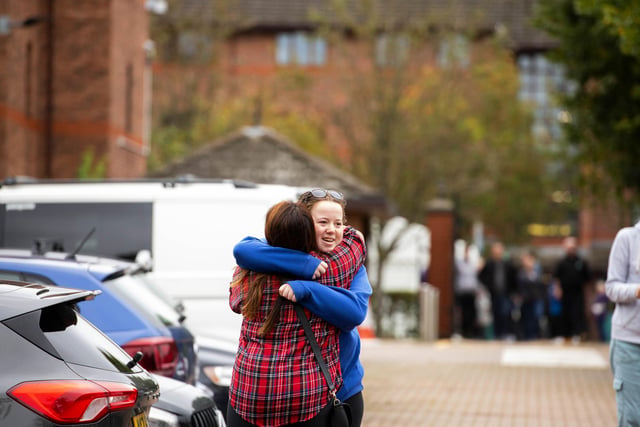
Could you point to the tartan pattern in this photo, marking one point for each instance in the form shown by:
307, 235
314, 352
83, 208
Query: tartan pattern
276, 379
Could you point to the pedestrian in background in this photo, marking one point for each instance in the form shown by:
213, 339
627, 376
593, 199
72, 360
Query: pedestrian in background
499, 276
572, 274
623, 288
466, 286
531, 294
554, 312
601, 313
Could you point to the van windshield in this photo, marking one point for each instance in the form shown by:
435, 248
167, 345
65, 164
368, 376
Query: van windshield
62, 226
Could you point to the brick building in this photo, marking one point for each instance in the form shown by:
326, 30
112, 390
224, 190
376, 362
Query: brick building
74, 79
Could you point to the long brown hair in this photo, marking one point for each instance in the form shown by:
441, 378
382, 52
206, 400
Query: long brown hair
287, 225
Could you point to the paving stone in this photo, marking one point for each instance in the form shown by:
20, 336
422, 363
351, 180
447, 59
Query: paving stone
486, 384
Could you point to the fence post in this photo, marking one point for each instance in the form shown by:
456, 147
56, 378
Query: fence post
429, 302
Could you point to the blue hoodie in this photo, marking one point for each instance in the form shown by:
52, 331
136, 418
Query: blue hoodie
343, 308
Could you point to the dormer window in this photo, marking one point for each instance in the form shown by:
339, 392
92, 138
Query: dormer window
392, 50
300, 48
454, 52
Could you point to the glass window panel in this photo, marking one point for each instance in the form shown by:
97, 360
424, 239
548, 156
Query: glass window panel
282, 49
300, 48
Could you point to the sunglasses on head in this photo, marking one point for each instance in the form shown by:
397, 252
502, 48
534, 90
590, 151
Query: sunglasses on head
321, 193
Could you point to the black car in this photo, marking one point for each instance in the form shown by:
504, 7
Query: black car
216, 357
58, 369
184, 405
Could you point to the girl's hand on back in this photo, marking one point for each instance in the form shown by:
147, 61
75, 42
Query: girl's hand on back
286, 291
322, 268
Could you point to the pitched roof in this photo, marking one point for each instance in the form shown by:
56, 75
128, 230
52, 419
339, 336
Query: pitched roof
259, 154
480, 15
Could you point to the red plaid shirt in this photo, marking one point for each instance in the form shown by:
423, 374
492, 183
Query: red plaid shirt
276, 379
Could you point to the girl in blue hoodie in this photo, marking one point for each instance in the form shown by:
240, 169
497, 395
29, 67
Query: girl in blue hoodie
344, 308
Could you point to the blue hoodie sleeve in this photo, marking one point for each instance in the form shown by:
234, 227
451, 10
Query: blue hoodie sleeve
344, 308
256, 254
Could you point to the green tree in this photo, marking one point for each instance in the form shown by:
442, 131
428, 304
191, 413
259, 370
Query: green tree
189, 41
620, 17
417, 129
195, 103
598, 45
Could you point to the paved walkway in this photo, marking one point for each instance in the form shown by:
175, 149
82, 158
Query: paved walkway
487, 384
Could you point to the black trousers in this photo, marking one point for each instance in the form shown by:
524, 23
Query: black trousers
320, 420
467, 304
356, 403
573, 314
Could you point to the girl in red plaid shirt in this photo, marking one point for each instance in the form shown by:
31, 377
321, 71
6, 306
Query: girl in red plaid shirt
276, 380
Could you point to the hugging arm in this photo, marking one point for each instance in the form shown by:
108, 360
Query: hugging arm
257, 255
344, 308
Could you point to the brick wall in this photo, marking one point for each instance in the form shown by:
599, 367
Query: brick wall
95, 88
21, 91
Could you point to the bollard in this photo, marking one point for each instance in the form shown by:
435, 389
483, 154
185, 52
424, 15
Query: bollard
429, 303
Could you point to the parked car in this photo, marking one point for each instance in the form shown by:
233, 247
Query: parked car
133, 312
57, 368
184, 405
127, 312
216, 357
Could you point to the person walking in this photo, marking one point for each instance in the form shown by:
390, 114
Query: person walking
554, 312
499, 276
344, 307
466, 289
276, 380
572, 275
623, 288
531, 292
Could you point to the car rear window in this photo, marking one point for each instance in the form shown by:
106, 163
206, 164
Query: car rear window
62, 332
136, 290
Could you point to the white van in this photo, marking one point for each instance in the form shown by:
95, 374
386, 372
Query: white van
190, 227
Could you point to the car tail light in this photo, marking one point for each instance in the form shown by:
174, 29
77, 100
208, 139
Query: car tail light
73, 401
159, 354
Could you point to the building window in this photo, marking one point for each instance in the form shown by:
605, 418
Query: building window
454, 51
300, 48
391, 50
194, 47
539, 80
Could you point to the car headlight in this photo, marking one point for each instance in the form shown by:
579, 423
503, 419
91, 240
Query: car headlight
161, 418
219, 375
